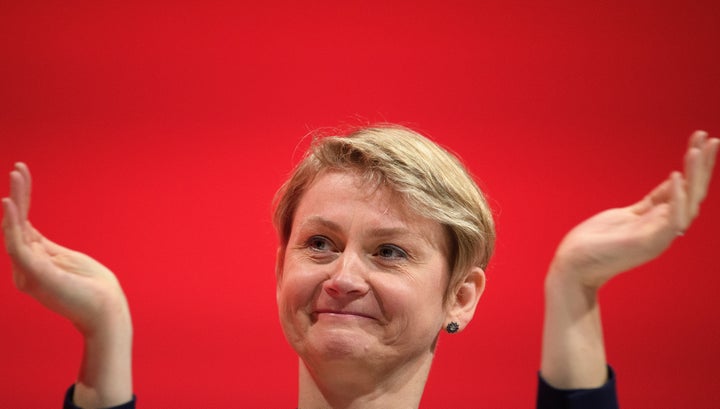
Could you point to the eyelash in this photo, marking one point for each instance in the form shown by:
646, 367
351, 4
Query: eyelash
314, 240
400, 254
314, 244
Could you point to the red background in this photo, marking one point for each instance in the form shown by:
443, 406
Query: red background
157, 134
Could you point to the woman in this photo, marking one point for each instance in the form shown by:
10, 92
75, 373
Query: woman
384, 239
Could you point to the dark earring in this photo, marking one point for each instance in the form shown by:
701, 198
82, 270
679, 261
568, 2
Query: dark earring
452, 327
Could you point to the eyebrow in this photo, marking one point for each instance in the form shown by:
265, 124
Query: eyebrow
314, 221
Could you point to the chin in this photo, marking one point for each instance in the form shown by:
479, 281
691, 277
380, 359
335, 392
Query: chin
337, 344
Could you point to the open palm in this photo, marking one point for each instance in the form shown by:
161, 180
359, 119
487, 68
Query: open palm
65, 281
617, 240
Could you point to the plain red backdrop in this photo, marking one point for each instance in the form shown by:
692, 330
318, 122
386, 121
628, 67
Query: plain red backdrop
158, 133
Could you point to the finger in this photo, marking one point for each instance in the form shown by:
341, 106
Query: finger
14, 243
679, 204
697, 139
13, 239
18, 187
710, 151
660, 194
696, 179
699, 163
29, 269
25, 200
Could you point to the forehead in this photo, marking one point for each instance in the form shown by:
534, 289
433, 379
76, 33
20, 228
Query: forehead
345, 192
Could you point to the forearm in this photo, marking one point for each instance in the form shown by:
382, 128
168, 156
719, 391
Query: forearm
105, 377
573, 352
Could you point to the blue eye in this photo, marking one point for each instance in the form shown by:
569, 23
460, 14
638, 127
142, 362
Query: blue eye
389, 251
319, 243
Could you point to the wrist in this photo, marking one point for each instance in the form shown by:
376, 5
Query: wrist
565, 287
105, 315
567, 273
105, 377
573, 354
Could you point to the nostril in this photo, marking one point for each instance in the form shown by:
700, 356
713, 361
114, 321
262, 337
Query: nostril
345, 285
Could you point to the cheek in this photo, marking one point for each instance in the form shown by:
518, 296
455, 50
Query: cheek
412, 302
295, 287
431, 296
286, 294
290, 304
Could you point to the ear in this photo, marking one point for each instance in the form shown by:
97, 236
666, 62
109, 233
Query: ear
464, 299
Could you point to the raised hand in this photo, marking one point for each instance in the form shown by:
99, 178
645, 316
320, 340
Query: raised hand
78, 288
617, 240
67, 282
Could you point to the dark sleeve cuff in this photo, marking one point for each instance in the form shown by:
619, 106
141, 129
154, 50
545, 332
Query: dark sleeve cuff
604, 397
68, 404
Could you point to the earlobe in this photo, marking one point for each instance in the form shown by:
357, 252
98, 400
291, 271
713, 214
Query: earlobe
452, 327
465, 299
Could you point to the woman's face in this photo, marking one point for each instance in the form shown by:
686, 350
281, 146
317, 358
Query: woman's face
362, 277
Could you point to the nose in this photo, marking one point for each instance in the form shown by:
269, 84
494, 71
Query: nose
349, 278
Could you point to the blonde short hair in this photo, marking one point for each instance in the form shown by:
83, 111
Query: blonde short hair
432, 181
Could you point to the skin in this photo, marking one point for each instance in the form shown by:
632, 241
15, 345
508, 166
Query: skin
320, 281
600, 248
78, 288
361, 294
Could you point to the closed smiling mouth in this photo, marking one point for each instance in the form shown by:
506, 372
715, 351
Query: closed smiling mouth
341, 314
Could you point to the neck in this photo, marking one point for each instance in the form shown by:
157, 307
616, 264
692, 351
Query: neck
343, 386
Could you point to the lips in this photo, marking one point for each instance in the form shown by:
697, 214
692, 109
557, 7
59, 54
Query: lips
340, 313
